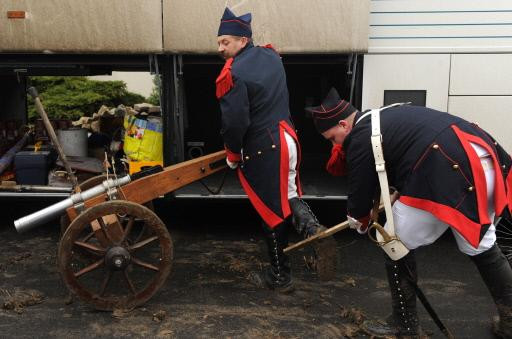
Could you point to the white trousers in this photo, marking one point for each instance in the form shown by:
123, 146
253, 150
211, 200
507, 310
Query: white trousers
292, 172
416, 227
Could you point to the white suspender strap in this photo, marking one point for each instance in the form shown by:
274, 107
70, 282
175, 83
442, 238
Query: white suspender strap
362, 116
393, 247
380, 166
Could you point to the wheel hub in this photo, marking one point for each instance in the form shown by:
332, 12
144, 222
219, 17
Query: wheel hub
117, 258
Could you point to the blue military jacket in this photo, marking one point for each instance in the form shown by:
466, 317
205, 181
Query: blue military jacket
255, 113
430, 161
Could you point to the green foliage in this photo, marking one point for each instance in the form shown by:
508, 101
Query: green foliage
154, 97
73, 97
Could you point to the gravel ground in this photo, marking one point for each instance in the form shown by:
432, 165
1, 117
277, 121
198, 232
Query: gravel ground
217, 245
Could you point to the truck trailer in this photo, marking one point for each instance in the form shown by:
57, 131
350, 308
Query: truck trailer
176, 40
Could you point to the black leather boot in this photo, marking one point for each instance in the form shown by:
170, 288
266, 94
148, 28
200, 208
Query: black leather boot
306, 224
403, 296
277, 276
403, 322
497, 276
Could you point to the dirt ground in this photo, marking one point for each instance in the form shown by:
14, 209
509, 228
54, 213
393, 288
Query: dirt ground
209, 294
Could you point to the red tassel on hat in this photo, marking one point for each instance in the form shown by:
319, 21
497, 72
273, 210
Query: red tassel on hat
224, 82
337, 162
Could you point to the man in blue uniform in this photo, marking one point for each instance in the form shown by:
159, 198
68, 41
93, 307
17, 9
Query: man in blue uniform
449, 173
261, 144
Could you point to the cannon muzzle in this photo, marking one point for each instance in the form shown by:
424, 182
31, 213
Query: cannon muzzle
40, 217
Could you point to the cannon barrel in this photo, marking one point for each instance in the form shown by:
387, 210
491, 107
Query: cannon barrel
40, 217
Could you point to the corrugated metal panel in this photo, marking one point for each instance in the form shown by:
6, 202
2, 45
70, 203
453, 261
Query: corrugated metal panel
88, 26
458, 26
292, 26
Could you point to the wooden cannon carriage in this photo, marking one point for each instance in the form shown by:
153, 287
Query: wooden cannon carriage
115, 252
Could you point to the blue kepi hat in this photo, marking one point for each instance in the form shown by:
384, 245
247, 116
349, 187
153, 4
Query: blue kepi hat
230, 24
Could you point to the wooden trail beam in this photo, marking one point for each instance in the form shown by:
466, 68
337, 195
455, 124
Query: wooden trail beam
170, 179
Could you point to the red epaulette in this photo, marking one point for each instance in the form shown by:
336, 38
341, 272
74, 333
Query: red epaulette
271, 47
224, 81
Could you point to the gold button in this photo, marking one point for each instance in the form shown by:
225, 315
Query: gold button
470, 188
246, 157
259, 152
273, 146
436, 146
455, 166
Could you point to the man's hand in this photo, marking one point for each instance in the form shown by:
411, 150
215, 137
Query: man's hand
361, 225
232, 165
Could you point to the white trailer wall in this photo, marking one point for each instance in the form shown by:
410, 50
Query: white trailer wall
481, 91
429, 72
440, 26
459, 51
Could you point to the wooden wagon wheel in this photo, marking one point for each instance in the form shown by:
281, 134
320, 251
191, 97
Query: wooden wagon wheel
129, 258
504, 237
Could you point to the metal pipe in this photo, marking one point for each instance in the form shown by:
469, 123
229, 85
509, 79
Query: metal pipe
35, 188
6, 159
40, 217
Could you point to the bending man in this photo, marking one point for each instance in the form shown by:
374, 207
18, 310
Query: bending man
450, 174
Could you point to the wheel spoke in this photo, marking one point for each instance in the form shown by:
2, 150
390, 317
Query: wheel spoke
88, 246
88, 236
128, 228
105, 283
143, 243
503, 232
142, 231
104, 229
90, 268
144, 264
130, 283
505, 220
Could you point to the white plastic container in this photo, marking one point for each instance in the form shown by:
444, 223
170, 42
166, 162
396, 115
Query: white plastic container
73, 141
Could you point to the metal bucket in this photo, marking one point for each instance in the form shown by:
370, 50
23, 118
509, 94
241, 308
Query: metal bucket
73, 141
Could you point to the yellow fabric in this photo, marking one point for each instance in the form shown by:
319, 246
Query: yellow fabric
137, 166
143, 140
